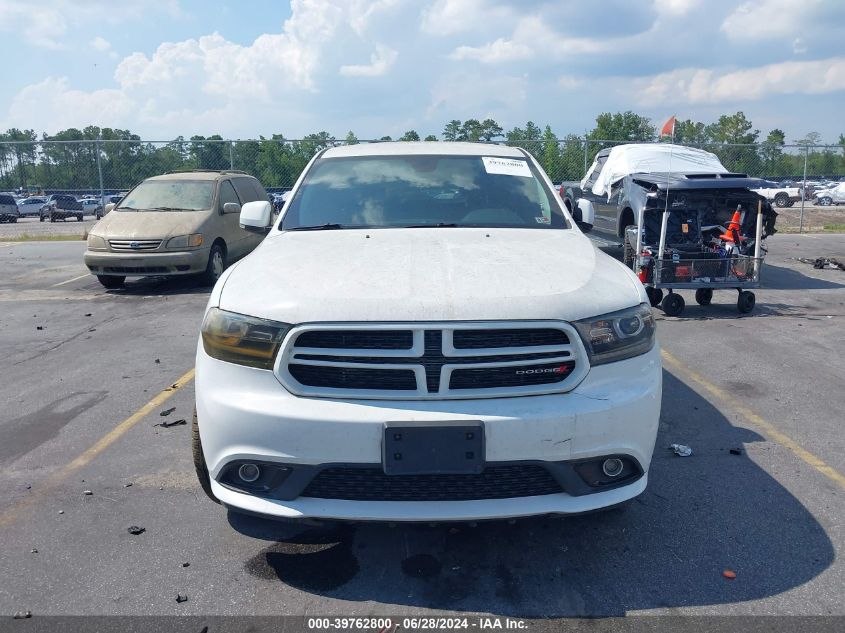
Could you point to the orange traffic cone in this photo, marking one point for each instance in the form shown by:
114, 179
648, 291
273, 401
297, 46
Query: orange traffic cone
733, 234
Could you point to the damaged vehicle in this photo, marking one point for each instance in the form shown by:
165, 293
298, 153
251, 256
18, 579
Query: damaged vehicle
628, 180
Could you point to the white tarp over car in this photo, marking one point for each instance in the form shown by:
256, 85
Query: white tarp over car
650, 158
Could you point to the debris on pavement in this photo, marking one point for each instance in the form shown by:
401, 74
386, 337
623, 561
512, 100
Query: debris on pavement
736, 451
167, 425
61, 511
23, 615
820, 263
730, 575
39, 327
681, 450
127, 485
167, 412
88, 492
158, 361
186, 564
135, 529
181, 598
88, 314
33, 551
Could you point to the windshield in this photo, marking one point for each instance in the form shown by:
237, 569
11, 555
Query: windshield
169, 195
422, 191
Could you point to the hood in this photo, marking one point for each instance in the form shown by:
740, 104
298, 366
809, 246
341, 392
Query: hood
148, 225
439, 274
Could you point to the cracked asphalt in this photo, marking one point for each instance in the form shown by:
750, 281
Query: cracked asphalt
80, 362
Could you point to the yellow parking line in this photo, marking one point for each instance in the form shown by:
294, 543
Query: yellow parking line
67, 281
15, 511
768, 428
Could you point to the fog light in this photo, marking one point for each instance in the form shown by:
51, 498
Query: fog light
610, 467
251, 472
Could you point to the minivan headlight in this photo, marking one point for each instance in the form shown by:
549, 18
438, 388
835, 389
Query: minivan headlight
185, 241
240, 339
96, 243
618, 335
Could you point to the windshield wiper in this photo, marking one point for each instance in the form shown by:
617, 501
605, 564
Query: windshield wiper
317, 227
439, 225
127, 209
169, 209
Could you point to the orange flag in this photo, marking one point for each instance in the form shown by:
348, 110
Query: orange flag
668, 128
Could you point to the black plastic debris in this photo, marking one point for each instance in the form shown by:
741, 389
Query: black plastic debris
167, 425
88, 314
158, 361
135, 530
39, 327
181, 598
23, 615
33, 551
186, 564
167, 412
736, 451
128, 485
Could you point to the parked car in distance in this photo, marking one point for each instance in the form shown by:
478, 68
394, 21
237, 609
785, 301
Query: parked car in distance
92, 206
779, 193
425, 335
61, 207
831, 196
8, 208
180, 223
31, 206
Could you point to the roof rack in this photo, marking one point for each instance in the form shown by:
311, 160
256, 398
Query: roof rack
217, 171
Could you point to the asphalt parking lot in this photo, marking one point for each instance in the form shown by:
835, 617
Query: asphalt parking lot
87, 372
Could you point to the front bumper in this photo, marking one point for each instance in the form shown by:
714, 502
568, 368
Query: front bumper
245, 414
146, 263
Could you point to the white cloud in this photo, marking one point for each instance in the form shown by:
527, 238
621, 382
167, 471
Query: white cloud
380, 63
761, 19
798, 46
675, 7
100, 44
447, 17
501, 50
702, 86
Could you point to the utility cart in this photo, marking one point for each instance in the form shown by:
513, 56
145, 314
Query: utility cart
723, 259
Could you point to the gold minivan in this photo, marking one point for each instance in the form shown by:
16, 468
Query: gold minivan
180, 223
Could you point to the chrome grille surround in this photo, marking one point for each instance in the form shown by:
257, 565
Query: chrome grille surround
134, 246
418, 359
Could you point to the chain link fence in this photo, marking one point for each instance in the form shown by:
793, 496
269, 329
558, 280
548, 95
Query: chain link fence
108, 167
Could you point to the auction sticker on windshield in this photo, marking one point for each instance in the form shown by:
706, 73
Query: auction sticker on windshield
506, 166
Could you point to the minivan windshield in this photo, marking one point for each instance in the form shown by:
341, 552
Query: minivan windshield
169, 195
417, 191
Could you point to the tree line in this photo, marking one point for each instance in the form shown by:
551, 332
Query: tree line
125, 159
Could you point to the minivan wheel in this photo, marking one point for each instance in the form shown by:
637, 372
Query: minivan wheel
111, 281
216, 265
199, 460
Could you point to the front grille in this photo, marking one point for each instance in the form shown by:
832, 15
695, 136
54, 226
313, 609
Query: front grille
476, 339
428, 361
134, 245
356, 339
353, 377
371, 484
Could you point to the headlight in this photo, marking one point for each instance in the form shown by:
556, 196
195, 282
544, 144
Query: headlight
243, 340
96, 243
618, 335
185, 241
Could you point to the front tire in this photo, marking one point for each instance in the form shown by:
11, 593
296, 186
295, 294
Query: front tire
199, 460
825, 201
216, 265
627, 248
111, 282
782, 200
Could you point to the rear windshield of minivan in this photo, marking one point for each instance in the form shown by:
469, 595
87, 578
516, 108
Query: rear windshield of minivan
169, 195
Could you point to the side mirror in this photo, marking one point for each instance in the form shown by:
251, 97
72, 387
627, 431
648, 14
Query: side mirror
255, 216
109, 207
231, 207
584, 215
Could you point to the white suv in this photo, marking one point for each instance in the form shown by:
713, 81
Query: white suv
425, 335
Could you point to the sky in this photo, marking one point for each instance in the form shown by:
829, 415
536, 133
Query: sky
244, 68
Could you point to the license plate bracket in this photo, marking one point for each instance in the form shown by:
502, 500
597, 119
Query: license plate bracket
436, 448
